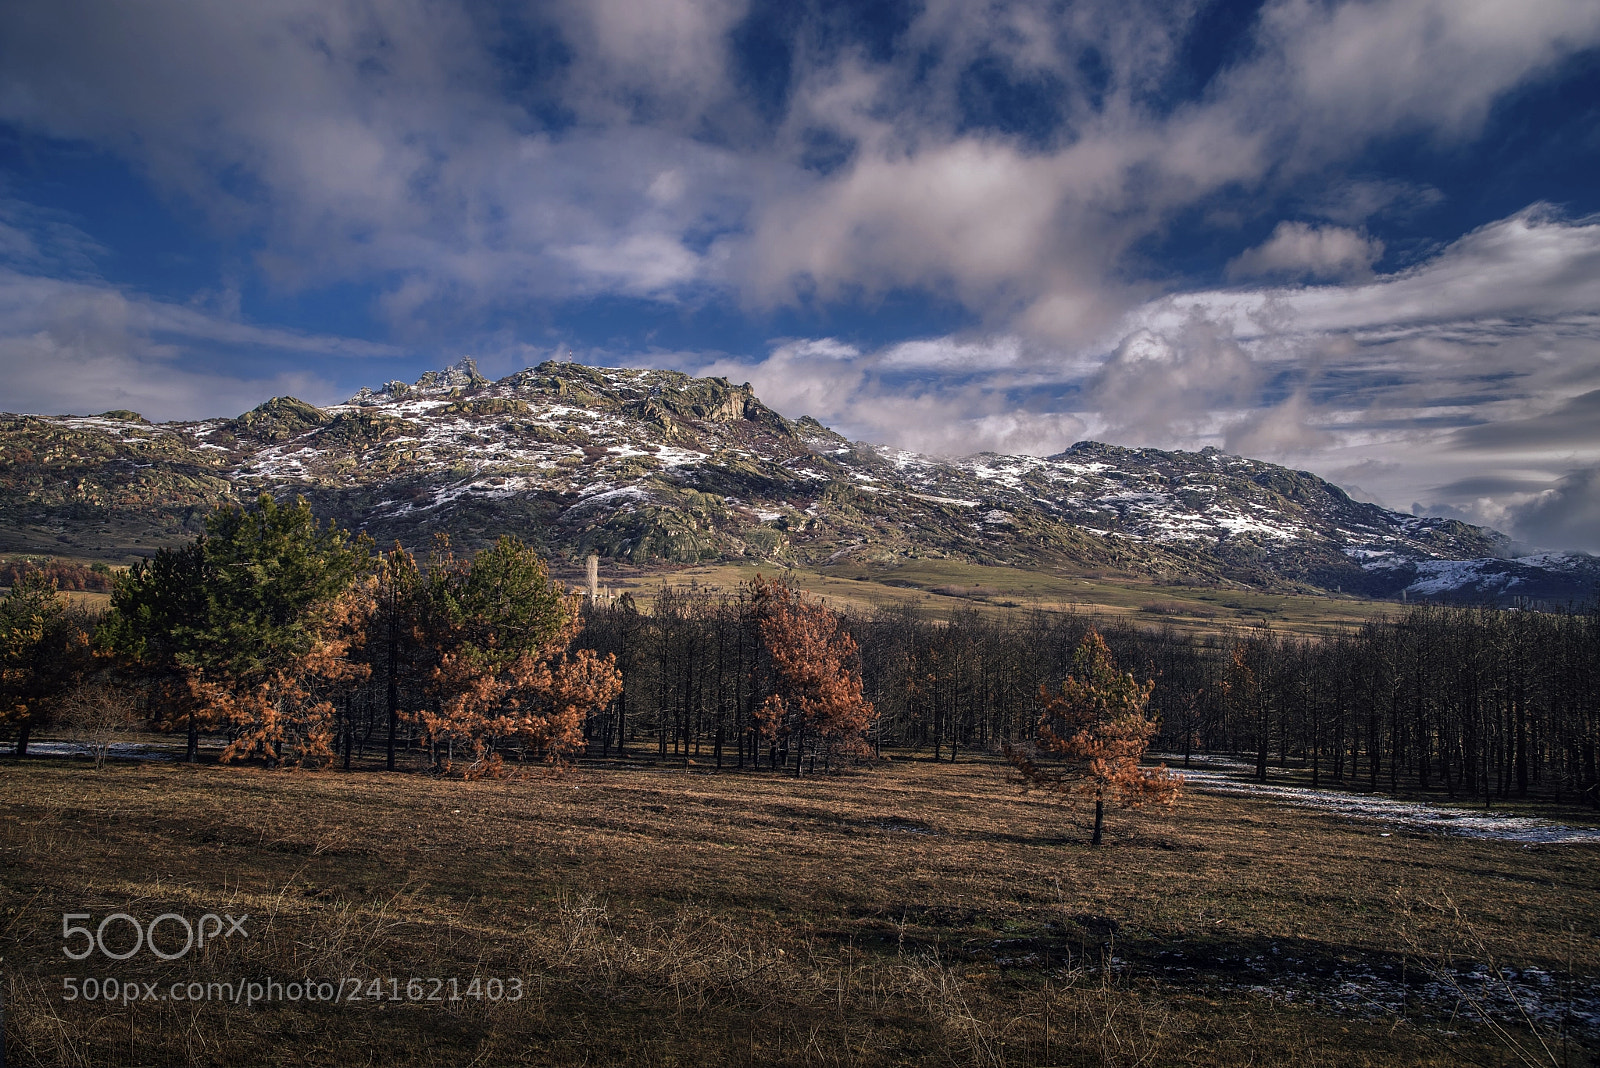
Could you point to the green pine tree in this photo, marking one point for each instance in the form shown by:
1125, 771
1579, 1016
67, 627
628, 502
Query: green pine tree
235, 605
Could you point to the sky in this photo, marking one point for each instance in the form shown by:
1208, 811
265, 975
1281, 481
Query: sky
1356, 237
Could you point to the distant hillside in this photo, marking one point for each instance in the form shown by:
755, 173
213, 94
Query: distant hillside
656, 466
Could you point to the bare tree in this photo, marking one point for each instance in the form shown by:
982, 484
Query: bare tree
94, 716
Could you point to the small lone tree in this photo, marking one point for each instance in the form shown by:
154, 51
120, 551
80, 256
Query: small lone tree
94, 717
1096, 730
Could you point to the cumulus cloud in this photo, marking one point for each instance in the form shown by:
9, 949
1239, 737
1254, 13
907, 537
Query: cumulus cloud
1282, 432
1565, 516
957, 354
1300, 251
1434, 65
1175, 386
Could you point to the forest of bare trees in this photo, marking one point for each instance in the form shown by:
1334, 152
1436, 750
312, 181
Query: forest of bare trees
1477, 703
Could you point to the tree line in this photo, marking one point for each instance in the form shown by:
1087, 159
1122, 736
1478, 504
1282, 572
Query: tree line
292, 640
1478, 703
300, 645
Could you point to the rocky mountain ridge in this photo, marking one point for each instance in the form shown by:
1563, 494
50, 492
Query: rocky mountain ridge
656, 466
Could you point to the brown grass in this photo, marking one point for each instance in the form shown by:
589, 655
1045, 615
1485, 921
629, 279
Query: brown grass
912, 914
935, 588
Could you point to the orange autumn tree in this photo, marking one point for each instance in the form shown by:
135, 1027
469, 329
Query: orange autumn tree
1092, 735
286, 714
497, 631
818, 694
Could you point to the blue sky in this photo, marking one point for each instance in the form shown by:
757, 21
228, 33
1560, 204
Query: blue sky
1360, 237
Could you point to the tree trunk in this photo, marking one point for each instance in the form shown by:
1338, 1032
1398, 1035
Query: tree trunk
393, 693
22, 737
1099, 821
622, 723
1188, 730
1263, 740
1316, 752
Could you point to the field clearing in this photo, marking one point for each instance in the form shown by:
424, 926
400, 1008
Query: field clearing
935, 588
910, 914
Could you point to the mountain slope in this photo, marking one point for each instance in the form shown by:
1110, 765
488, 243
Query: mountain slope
659, 466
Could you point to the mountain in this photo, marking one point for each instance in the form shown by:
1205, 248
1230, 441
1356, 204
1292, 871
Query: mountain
656, 466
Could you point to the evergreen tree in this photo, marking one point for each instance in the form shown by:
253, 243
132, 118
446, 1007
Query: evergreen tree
496, 630
44, 650
238, 614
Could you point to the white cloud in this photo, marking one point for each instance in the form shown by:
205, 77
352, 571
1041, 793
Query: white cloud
83, 347
396, 142
661, 61
955, 354
1284, 432
642, 264
1297, 250
1435, 65
1172, 387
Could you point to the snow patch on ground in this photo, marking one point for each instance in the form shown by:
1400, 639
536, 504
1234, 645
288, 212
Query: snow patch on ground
1237, 523
1228, 777
116, 751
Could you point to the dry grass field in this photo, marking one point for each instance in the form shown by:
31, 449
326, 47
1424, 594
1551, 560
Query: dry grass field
935, 588
910, 914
